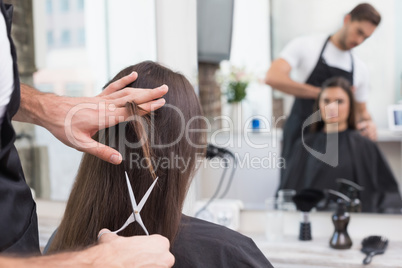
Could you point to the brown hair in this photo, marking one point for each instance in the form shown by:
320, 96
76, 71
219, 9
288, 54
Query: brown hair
99, 198
366, 12
347, 87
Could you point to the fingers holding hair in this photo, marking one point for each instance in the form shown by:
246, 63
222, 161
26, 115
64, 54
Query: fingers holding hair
119, 84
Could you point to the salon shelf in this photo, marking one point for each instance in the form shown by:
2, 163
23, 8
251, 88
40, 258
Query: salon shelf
290, 252
386, 135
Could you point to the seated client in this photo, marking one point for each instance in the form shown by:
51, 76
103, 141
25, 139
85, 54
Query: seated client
335, 149
166, 144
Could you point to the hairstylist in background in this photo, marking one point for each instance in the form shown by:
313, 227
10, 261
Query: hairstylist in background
18, 221
318, 58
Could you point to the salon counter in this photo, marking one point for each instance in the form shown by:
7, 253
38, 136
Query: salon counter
292, 253
289, 252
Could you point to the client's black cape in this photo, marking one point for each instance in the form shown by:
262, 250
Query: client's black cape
204, 244
200, 244
359, 160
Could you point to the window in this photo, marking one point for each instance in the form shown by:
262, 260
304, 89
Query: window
45, 87
49, 6
80, 4
74, 89
64, 5
81, 36
65, 37
50, 39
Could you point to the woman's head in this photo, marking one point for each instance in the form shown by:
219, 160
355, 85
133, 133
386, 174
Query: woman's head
336, 104
165, 143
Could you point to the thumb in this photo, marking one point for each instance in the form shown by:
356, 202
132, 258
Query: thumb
105, 235
104, 152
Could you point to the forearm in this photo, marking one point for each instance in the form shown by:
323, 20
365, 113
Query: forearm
75, 259
291, 87
278, 77
34, 105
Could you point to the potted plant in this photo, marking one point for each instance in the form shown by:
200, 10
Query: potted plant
234, 82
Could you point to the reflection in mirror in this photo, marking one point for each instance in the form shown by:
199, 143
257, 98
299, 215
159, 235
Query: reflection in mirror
289, 19
316, 17
334, 150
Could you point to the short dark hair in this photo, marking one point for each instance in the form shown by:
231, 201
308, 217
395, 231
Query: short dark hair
366, 12
347, 87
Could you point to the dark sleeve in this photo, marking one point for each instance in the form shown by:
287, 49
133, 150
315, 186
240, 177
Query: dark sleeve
18, 220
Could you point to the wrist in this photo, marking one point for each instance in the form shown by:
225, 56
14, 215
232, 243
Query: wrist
47, 105
34, 105
313, 91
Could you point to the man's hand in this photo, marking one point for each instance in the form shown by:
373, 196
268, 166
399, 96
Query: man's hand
136, 251
368, 129
366, 125
111, 251
75, 120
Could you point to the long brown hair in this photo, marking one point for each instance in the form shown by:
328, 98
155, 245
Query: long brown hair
99, 198
345, 86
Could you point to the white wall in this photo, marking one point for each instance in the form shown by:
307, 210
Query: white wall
251, 50
176, 31
119, 33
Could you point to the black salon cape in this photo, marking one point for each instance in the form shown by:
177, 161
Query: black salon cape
369, 169
204, 244
18, 221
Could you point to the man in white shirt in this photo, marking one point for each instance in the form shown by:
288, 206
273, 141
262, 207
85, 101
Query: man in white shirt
318, 58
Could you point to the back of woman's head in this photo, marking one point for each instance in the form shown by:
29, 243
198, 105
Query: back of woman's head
164, 144
337, 82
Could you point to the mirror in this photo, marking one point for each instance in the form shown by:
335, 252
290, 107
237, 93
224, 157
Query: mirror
289, 19
260, 30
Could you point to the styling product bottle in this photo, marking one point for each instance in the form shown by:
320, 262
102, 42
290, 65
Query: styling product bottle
341, 239
351, 190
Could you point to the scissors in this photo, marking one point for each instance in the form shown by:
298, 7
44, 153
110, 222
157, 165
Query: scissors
135, 215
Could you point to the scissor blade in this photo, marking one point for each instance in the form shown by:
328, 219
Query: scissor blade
130, 192
127, 223
137, 217
146, 195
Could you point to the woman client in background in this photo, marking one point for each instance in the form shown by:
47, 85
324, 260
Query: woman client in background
165, 144
341, 152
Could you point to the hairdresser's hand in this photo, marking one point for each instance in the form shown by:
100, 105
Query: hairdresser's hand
368, 129
136, 251
75, 120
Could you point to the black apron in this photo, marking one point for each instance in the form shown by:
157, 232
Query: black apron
303, 108
18, 220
